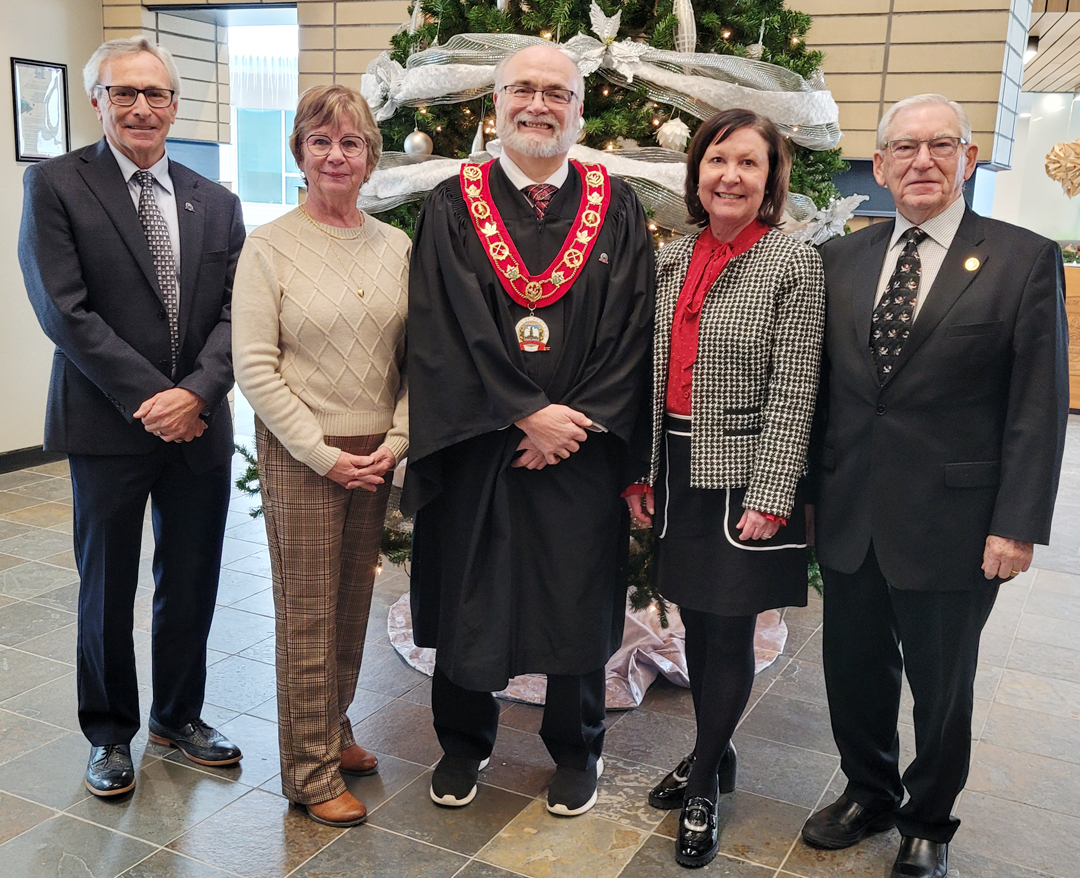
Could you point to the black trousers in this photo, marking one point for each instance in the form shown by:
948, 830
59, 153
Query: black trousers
866, 622
466, 721
188, 513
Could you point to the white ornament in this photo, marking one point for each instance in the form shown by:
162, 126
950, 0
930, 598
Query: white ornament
755, 51
673, 134
605, 28
626, 143
417, 18
502, 5
418, 144
478, 141
686, 33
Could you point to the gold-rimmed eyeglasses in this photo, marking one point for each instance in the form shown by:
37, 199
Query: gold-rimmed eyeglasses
351, 146
940, 147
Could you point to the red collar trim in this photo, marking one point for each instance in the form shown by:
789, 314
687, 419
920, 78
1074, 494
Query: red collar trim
536, 291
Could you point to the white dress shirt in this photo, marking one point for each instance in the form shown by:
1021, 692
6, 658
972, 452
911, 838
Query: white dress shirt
940, 230
164, 195
522, 181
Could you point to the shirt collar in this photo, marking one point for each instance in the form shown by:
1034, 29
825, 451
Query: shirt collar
160, 168
941, 228
521, 180
742, 242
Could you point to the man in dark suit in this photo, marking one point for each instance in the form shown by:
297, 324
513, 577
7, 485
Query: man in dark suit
943, 417
128, 259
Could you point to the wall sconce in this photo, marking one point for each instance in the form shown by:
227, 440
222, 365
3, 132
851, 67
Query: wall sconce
1032, 49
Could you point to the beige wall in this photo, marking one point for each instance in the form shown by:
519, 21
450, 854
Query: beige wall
65, 32
339, 38
879, 51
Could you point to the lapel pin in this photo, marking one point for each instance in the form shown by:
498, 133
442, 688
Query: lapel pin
972, 264
603, 258
187, 206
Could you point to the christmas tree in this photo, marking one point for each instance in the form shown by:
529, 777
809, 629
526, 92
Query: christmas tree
615, 116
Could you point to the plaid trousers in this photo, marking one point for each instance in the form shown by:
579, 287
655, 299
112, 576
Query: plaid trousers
324, 549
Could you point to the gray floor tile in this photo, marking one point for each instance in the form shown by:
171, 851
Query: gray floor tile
1042, 658
1051, 784
1035, 692
168, 800
21, 671
19, 735
1056, 737
782, 772
656, 859
240, 684
654, 739
392, 777
403, 730
18, 815
258, 836
234, 630
373, 851
22, 620
787, 721
462, 830
166, 864
65, 846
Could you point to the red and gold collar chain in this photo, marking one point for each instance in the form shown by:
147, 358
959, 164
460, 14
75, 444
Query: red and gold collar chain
536, 291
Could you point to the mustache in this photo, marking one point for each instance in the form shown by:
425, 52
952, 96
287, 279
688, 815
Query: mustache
546, 118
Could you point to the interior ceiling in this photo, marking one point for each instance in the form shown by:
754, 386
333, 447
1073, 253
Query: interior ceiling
1057, 66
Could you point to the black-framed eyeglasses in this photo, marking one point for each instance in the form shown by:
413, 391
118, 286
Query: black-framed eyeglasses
558, 97
350, 145
125, 95
940, 147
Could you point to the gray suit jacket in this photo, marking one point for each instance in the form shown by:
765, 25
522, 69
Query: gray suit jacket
964, 439
91, 280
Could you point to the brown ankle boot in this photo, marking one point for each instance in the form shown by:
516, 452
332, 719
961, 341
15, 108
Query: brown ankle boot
343, 811
355, 760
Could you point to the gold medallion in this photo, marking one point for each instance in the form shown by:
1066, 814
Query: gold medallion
532, 333
972, 264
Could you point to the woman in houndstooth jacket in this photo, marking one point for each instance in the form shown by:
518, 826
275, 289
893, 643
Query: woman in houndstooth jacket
739, 319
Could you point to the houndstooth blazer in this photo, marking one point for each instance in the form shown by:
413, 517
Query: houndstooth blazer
756, 376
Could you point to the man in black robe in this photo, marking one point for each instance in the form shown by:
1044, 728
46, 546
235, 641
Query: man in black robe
528, 377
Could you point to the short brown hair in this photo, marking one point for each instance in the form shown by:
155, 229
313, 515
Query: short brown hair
332, 105
718, 129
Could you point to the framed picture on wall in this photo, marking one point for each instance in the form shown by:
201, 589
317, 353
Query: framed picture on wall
39, 91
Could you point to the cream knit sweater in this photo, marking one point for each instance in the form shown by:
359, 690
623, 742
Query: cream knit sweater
312, 357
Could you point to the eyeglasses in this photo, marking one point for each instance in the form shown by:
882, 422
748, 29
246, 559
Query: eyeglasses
940, 147
351, 146
125, 95
556, 97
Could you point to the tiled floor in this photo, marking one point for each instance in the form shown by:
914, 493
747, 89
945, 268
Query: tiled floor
1021, 811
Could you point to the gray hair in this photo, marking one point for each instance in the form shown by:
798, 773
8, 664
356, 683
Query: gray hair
500, 69
920, 100
133, 46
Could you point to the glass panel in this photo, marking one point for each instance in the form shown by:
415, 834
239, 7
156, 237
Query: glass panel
259, 155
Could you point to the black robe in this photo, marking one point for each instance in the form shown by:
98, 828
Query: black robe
513, 570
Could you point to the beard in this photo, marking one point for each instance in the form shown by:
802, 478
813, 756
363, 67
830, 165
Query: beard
558, 144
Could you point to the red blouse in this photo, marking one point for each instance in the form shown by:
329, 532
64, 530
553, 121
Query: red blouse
709, 259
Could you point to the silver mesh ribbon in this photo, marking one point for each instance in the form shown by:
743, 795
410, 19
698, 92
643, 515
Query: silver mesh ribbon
698, 83
656, 175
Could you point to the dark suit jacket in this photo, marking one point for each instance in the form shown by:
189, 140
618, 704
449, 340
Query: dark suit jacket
91, 279
965, 437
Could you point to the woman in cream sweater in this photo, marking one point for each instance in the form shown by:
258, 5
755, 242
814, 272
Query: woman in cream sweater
318, 317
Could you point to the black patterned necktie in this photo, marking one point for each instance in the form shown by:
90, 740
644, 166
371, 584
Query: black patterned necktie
540, 195
893, 316
157, 234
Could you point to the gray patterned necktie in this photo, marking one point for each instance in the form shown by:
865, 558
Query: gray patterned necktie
157, 234
893, 316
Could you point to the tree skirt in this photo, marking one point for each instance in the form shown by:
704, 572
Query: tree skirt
647, 651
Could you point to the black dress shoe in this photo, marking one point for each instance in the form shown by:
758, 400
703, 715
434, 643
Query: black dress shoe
669, 793
109, 771
921, 858
198, 742
698, 838
843, 823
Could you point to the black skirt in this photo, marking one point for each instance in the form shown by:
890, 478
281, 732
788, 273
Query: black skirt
701, 562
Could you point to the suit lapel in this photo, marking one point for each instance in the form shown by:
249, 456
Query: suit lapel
864, 286
952, 280
103, 177
192, 223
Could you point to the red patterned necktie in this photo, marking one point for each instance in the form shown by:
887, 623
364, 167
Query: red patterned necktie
892, 318
540, 195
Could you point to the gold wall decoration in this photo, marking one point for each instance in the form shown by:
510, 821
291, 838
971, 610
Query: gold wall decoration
1063, 165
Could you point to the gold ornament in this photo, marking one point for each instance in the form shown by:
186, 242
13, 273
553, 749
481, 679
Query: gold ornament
1063, 165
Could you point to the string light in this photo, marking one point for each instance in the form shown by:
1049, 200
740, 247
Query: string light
378, 568
726, 34
424, 110
652, 227
604, 92
546, 34
794, 41
610, 145
438, 127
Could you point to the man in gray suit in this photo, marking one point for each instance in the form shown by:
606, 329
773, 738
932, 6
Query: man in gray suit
128, 259
944, 396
